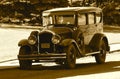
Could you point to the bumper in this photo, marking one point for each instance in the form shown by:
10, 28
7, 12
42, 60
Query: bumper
42, 56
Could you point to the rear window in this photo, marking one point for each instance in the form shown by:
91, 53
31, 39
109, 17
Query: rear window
98, 17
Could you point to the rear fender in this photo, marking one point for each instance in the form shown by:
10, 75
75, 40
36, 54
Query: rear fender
95, 42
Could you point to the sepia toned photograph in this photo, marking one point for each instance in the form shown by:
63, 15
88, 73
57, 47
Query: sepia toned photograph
59, 39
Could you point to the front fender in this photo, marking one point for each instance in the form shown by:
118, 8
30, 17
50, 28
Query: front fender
23, 42
67, 42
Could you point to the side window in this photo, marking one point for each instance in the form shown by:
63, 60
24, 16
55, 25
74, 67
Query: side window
81, 19
98, 17
91, 18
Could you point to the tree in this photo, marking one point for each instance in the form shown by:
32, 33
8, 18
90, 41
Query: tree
99, 2
28, 8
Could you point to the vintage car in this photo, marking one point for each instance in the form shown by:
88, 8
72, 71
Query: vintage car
68, 33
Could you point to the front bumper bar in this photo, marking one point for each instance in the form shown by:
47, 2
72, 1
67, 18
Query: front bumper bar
42, 56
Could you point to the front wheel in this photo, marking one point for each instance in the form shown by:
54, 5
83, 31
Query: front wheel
71, 56
25, 64
100, 58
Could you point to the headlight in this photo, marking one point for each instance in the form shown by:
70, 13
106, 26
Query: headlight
56, 39
32, 39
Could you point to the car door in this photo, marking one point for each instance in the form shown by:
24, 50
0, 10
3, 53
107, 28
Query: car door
86, 24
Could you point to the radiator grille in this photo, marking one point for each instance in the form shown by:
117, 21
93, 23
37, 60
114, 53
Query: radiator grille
45, 43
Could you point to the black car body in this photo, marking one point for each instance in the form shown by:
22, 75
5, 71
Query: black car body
67, 34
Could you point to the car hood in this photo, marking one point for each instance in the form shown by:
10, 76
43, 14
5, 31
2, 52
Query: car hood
59, 30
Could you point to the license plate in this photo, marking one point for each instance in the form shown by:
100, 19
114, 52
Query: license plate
45, 45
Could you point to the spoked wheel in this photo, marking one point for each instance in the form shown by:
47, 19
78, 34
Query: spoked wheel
25, 64
100, 58
71, 56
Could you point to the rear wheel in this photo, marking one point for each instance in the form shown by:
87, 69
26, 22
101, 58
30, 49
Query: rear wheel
71, 56
25, 64
100, 58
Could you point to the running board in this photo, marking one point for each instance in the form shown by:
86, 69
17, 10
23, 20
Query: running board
92, 53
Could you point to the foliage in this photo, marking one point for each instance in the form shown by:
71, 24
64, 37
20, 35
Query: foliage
111, 9
31, 9
112, 13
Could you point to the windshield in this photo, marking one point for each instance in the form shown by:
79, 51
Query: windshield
59, 19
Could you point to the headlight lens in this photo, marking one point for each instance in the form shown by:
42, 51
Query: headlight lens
56, 39
32, 39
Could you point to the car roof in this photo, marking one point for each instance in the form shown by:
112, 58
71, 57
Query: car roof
74, 9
